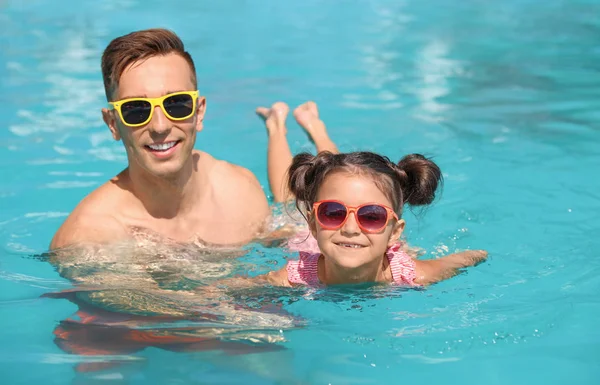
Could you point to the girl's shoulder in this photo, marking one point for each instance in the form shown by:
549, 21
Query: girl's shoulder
304, 271
402, 265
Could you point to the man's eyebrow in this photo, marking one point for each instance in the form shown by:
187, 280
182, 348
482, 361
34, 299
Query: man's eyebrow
133, 97
144, 95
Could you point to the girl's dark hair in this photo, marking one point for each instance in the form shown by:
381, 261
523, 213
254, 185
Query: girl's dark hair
414, 180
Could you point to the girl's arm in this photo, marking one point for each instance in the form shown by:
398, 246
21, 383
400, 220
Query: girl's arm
435, 270
277, 278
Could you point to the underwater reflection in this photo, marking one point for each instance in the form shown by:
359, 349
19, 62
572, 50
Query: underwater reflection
153, 293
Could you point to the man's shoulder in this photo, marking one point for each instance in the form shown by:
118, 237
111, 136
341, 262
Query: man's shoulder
92, 220
237, 189
230, 173
105, 199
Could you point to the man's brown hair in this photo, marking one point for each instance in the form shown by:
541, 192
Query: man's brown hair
135, 46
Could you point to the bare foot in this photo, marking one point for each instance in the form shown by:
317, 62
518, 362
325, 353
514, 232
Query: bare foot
307, 116
274, 117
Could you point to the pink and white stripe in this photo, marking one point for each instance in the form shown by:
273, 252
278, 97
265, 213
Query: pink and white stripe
305, 270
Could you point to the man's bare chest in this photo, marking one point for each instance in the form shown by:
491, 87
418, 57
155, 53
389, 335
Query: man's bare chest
205, 225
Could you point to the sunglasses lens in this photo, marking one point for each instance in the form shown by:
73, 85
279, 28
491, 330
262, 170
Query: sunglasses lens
179, 106
331, 214
136, 111
372, 217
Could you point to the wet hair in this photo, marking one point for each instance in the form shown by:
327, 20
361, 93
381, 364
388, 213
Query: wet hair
136, 46
414, 180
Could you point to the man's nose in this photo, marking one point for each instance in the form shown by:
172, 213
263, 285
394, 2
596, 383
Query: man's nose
160, 124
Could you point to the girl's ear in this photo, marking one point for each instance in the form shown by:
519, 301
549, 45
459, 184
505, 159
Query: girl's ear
312, 223
396, 232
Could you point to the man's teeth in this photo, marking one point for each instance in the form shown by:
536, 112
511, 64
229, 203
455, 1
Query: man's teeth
162, 146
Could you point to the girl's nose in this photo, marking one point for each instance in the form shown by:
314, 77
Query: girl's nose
351, 226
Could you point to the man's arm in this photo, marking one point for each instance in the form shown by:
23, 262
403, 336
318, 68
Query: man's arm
243, 200
256, 204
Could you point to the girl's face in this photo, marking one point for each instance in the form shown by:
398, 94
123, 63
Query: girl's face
349, 246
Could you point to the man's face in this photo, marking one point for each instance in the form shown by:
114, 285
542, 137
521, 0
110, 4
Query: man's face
161, 147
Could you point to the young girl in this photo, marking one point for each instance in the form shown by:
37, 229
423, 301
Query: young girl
353, 205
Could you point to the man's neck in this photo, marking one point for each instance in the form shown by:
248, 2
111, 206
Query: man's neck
166, 197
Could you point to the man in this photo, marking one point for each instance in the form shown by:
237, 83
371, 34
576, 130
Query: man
168, 188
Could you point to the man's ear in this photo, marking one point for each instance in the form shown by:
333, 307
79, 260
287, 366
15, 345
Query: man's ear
201, 110
396, 232
111, 121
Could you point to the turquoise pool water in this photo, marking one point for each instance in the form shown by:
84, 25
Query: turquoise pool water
504, 95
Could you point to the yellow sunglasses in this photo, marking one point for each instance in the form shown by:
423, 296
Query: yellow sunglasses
136, 112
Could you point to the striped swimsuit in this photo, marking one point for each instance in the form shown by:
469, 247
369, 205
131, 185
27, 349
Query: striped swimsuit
304, 270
